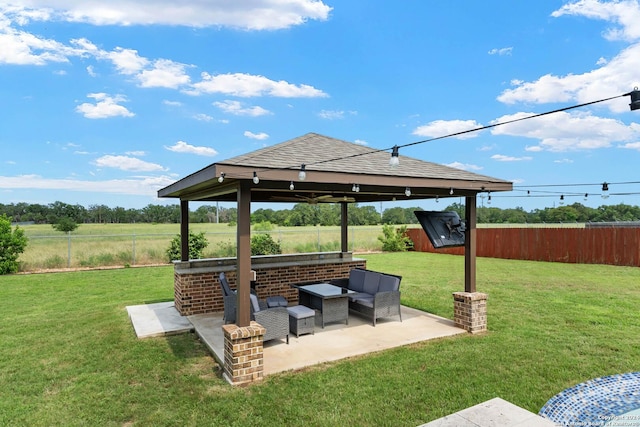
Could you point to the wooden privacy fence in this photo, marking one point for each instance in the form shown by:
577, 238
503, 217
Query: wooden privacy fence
611, 245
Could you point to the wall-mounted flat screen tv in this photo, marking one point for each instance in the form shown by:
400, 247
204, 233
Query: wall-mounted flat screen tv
443, 229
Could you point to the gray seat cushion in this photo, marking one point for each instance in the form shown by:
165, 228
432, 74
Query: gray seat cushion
364, 300
356, 280
277, 301
300, 312
388, 283
371, 282
255, 304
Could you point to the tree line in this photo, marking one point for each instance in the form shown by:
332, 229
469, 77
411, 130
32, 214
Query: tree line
303, 214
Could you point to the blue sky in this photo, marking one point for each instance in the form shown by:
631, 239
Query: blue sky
106, 102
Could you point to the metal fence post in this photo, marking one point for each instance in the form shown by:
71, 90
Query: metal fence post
68, 249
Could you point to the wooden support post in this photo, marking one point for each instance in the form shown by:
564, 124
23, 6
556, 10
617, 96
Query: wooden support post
243, 260
344, 227
184, 230
470, 245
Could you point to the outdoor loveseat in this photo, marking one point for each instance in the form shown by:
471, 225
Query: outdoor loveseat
377, 295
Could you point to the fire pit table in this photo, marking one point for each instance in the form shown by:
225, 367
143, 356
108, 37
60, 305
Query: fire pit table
331, 301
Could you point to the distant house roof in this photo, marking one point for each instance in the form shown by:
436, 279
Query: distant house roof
333, 168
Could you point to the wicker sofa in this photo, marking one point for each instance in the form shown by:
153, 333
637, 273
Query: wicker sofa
377, 295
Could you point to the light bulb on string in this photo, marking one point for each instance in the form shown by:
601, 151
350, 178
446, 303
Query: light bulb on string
256, 180
407, 192
221, 177
291, 186
394, 161
302, 175
451, 191
605, 190
585, 196
562, 200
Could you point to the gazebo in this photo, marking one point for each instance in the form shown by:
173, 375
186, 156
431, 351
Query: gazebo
315, 168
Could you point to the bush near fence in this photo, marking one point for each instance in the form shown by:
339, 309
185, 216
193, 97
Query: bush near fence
607, 245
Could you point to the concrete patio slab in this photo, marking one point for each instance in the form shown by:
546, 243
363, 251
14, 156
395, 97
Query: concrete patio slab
336, 341
492, 413
156, 320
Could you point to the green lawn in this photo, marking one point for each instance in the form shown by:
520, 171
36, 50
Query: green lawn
69, 355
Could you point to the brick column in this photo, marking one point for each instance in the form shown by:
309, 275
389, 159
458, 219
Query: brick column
243, 353
470, 311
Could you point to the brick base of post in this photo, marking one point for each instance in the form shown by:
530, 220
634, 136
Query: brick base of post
243, 353
470, 311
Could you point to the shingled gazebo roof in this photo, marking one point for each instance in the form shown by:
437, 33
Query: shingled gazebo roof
333, 167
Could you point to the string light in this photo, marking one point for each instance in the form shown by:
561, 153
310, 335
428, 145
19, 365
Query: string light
562, 200
489, 198
291, 186
437, 199
585, 196
355, 188
394, 161
605, 190
407, 192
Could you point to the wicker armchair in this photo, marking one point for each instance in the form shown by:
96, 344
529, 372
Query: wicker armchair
275, 320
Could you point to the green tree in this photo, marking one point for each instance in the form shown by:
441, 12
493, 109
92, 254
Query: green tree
197, 243
65, 225
12, 244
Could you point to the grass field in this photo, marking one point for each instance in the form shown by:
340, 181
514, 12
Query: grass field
97, 245
69, 356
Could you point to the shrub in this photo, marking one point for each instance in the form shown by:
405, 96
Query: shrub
263, 226
395, 240
197, 243
12, 244
263, 244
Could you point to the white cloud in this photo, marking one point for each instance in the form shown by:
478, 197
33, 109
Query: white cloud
107, 106
631, 146
503, 158
172, 103
138, 153
501, 51
247, 85
465, 166
236, 108
624, 13
22, 48
126, 163
331, 114
260, 136
361, 142
91, 71
183, 147
563, 161
440, 128
164, 73
139, 186
203, 117
126, 61
254, 15
568, 131
613, 77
